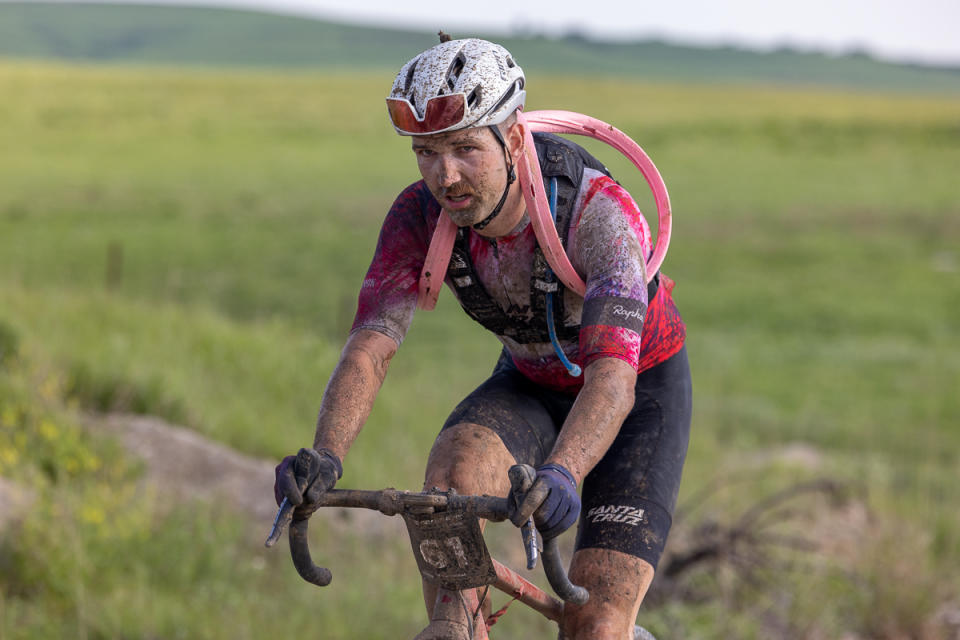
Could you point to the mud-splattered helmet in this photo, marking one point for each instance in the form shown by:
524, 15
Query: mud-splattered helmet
456, 85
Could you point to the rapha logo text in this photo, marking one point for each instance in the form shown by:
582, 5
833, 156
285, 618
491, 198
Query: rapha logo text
620, 310
616, 513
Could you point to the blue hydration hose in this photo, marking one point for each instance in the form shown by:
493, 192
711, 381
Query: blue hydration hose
573, 369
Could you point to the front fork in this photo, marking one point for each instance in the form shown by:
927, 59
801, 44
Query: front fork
457, 615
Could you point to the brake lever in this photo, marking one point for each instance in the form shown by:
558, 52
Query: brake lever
530, 543
521, 479
280, 523
303, 465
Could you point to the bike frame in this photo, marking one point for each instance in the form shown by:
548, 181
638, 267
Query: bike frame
393, 502
465, 512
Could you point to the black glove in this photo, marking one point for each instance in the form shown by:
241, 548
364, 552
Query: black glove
306, 476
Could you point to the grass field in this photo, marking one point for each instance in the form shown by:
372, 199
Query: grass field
190, 244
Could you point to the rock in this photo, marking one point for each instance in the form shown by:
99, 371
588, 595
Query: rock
183, 465
15, 499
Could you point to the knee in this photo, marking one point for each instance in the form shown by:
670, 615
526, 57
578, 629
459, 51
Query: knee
450, 473
469, 458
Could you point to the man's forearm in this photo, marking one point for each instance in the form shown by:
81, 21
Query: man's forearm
352, 389
596, 417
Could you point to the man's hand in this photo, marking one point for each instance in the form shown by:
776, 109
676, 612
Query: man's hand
552, 500
306, 476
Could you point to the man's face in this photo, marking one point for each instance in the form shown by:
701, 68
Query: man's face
465, 170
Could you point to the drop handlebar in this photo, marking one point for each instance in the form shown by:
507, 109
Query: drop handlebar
392, 502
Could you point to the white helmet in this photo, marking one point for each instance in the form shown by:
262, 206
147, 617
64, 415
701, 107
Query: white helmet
455, 85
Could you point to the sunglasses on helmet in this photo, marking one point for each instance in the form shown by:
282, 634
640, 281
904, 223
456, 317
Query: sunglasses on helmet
442, 113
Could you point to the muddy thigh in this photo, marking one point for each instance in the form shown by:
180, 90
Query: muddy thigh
515, 410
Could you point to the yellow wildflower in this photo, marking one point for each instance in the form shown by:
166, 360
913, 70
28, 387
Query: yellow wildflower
48, 430
92, 514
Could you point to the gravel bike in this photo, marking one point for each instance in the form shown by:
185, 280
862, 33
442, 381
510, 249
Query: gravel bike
450, 551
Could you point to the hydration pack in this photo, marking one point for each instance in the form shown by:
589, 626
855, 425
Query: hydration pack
561, 159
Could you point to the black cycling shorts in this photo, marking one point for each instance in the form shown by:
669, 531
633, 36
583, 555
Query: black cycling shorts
629, 497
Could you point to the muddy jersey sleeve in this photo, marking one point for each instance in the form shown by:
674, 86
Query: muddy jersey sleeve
609, 243
388, 297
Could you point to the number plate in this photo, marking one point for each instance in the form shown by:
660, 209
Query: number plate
450, 550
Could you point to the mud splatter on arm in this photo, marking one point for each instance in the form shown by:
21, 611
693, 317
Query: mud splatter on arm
352, 389
385, 310
600, 409
609, 250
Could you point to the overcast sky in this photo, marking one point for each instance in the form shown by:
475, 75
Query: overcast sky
920, 30
906, 30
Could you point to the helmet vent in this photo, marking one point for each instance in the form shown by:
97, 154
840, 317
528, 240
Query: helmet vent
475, 96
409, 79
456, 68
505, 97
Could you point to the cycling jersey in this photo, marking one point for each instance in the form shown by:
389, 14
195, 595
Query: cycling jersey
607, 241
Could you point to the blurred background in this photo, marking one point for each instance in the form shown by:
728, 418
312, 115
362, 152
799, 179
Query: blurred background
189, 199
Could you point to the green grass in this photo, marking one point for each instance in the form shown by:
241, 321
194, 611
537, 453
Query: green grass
190, 244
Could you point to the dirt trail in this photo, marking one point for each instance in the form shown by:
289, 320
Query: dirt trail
15, 499
184, 465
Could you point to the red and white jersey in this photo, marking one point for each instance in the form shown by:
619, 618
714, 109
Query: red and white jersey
608, 241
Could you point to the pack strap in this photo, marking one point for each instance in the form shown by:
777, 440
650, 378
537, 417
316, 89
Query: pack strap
535, 196
531, 183
435, 266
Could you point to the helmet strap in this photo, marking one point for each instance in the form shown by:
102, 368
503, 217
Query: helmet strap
511, 178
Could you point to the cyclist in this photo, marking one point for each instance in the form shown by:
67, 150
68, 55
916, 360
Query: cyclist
621, 429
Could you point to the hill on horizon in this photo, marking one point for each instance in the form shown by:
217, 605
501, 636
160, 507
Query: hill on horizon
196, 36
